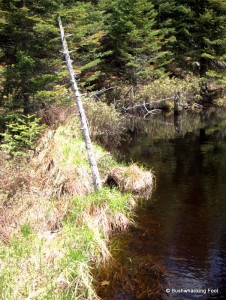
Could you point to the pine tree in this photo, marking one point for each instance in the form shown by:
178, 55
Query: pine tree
210, 39
30, 48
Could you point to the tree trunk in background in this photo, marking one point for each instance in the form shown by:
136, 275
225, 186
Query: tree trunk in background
26, 104
203, 67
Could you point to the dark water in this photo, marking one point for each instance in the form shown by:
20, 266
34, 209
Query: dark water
187, 153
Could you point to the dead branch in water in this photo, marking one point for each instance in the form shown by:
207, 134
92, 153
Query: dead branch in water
144, 105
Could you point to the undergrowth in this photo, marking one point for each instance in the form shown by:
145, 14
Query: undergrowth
57, 264
51, 236
21, 134
54, 228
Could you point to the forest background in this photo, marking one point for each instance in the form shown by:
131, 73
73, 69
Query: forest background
116, 44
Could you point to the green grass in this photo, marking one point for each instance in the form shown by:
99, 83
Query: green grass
41, 264
71, 149
58, 265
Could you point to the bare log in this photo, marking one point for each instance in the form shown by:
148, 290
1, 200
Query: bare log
95, 172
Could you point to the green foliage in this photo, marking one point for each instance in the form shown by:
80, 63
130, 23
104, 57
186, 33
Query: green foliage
165, 88
26, 230
111, 200
59, 265
134, 42
21, 134
197, 29
27, 52
105, 122
85, 22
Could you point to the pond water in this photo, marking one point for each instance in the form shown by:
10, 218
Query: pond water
184, 222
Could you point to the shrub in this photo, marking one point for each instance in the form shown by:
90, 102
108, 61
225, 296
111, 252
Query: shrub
165, 88
21, 134
105, 122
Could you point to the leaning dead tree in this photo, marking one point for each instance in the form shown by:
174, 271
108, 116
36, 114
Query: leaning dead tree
85, 130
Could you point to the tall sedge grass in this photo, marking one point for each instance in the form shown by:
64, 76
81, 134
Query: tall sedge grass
55, 229
57, 264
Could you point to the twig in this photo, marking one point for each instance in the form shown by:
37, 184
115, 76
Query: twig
145, 104
133, 107
153, 111
127, 91
161, 100
101, 91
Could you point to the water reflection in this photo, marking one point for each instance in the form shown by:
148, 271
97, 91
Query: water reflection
207, 122
188, 155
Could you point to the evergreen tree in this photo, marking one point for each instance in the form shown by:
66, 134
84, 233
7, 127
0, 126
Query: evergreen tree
210, 39
27, 50
85, 22
199, 31
132, 42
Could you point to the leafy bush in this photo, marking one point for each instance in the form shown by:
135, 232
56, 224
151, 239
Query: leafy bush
105, 122
158, 93
166, 87
21, 134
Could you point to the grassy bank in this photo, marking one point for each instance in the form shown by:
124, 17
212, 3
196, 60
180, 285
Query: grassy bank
54, 228
56, 264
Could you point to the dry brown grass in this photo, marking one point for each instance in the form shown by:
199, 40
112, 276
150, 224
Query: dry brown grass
133, 179
14, 181
41, 219
54, 116
53, 169
38, 190
45, 229
110, 223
